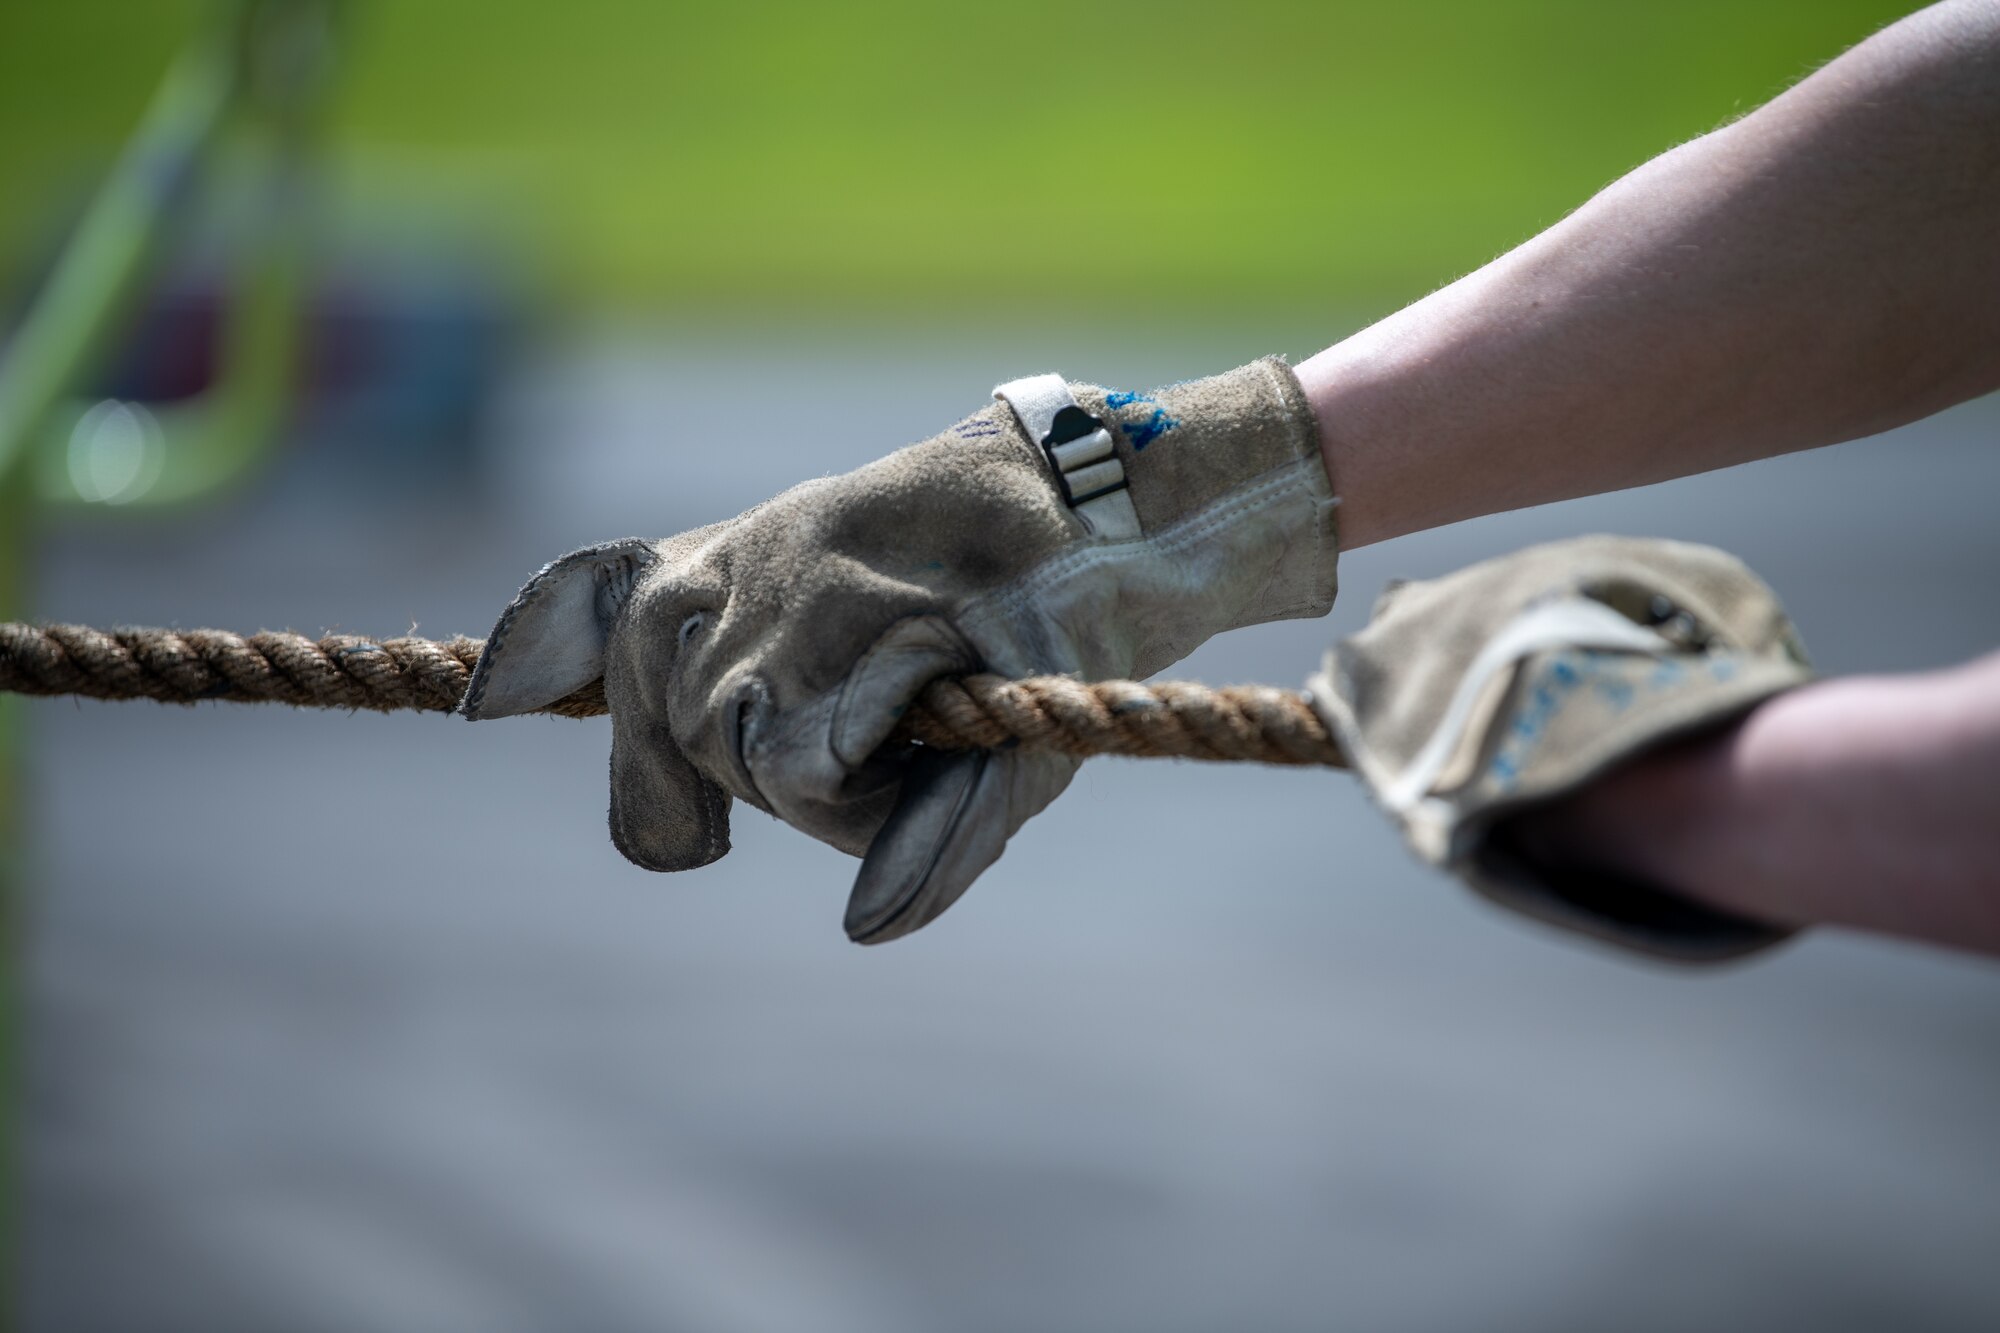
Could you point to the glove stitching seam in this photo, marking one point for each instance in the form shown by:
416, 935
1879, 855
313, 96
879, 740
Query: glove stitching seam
1178, 537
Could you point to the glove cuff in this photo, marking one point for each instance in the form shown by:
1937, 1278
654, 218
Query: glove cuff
1210, 499
1480, 696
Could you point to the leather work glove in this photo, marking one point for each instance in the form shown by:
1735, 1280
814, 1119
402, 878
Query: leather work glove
1505, 686
1062, 528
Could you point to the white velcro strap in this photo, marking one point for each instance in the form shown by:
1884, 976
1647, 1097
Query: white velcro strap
1092, 448
1087, 469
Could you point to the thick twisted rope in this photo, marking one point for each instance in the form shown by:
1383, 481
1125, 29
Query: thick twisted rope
1170, 719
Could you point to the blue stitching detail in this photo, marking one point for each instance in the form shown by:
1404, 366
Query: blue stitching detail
1140, 433
1152, 428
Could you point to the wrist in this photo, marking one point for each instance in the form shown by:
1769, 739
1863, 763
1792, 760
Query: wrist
1420, 418
1359, 420
1664, 818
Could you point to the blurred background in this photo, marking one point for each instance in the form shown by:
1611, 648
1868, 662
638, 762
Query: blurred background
358, 1022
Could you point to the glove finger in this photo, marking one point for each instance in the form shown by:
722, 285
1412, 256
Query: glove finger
816, 766
952, 820
909, 655
664, 814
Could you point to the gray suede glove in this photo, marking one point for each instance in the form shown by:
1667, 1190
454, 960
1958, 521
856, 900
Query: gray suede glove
1064, 528
1479, 696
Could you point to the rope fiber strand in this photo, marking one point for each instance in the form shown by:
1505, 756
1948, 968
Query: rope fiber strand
1169, 719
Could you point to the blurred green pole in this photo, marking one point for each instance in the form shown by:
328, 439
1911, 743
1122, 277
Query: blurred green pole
103, 269
267, 59
82, 307
13, 560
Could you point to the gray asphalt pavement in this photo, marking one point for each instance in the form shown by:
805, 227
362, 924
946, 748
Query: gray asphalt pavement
359, 1023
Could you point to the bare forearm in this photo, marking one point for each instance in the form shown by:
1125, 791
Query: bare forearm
1867, 802
1822, 269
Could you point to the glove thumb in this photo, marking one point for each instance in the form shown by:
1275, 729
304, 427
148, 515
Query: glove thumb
952, 819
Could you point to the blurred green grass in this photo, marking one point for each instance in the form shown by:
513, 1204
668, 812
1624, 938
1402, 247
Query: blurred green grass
1143, 158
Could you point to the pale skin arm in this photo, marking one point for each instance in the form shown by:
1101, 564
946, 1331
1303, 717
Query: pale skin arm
1824, 268
1871, 802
